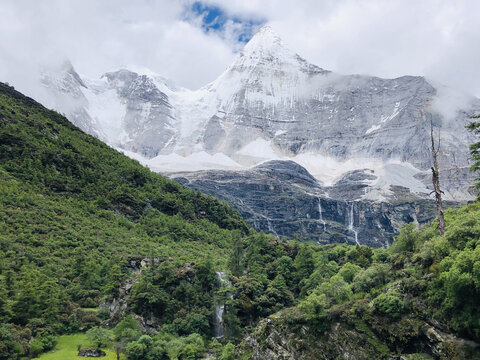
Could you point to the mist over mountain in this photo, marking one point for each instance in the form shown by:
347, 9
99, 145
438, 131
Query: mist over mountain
362, 138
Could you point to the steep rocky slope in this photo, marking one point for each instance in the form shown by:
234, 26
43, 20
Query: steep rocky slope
282, 198
275, 340
417, 300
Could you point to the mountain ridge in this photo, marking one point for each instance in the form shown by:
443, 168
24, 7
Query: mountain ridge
271, 104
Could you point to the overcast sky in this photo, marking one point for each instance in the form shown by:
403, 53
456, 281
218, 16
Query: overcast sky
193, 42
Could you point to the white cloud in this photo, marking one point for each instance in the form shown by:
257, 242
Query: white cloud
436, 38
100, 36
392, 38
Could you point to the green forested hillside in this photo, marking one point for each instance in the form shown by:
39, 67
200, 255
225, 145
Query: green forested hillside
81, 225
73, 212
420, 297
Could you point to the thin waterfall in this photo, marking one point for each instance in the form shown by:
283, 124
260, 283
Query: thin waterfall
219, 328
271, 230
219, 325
320, 215
351, 223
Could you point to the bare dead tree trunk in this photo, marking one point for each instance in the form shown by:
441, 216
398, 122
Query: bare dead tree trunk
436, 182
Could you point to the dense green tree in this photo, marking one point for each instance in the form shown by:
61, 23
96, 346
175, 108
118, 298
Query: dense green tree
9, 349
304, 263
314, 307
193, 323
99, 336
125, 328
361, 255
374, 276
235, 261
390, 303
228, 352
5, 313
124, 332
336, 289
135, 351
205, 276
348, 271
405, 241
284, 266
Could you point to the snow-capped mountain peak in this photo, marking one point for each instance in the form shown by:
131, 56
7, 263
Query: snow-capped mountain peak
269, 104
263, 42
268, 51
363, 139
266, 72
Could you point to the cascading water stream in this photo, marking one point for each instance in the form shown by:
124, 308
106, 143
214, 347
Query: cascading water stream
219, 329
351, 223
219, 326
320, 215
271, 230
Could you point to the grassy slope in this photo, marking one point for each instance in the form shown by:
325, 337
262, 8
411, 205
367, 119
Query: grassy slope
67, 349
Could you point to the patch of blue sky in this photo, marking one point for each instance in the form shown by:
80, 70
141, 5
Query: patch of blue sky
214, 19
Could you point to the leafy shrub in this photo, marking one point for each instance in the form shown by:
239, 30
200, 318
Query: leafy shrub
228, 352
36, 348
390, 304
314, 307
405, 240
348, 271
42, 344
99, 336
361, 255
374, 276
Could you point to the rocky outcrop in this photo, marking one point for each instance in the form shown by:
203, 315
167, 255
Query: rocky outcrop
65, 92
91, 352
273, 339
117, 306
148, 120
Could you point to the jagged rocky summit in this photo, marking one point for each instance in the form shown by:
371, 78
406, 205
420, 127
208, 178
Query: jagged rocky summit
296, 148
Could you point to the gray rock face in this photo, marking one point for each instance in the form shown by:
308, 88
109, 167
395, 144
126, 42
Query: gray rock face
282, 198
147, 120
274, 339
272, 104
123, 108
65, 88
271, 93
363, 142
118, 306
